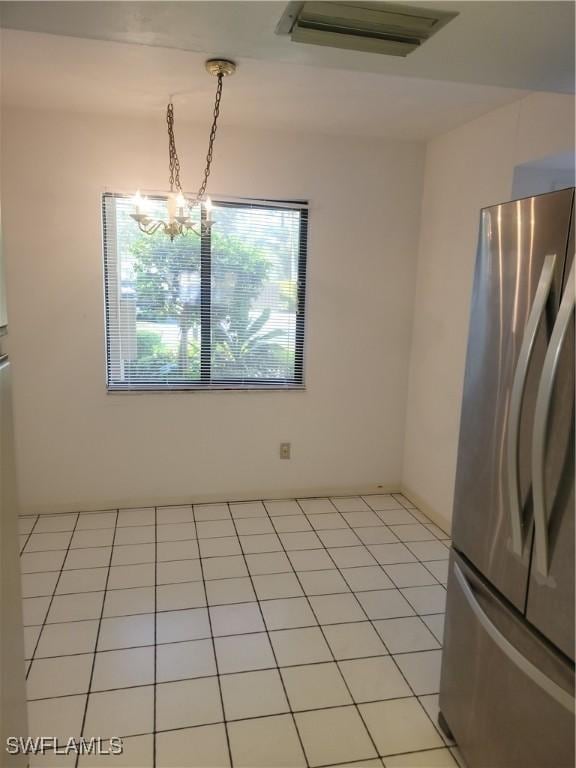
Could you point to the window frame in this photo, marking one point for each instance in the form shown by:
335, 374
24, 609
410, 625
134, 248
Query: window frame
206, 383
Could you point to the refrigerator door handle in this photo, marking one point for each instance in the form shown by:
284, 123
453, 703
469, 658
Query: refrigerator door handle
541, 414
517, 397
524, 664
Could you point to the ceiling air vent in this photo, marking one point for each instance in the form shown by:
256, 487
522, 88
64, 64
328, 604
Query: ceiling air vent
389, 28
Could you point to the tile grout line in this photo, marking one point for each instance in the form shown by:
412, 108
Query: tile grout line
437, 581
258, 601
323, 546
433, 536
332, 654
382, 758
446, 537
426, 563
393, 585
217, 666
181, 559
267, 717
195, 504
49, 608
239, 672
269, 639
30, 532
236, 634
242, 602
213, 557
436, 728
216, 581
306, 515
89, 690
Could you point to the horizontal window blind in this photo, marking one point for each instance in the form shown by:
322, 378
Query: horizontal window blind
221, 310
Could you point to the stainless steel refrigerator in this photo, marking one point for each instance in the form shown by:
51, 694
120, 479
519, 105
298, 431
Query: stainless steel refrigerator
508, 662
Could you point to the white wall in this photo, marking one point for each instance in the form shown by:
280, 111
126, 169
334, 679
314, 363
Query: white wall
80, 448
541, 176
466, 169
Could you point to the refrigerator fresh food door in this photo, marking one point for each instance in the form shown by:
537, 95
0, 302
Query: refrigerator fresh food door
505, 693
13, 719
517, 287
551, 588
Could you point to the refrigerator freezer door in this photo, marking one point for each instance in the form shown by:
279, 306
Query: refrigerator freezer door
13, 719
551, 589
515, 240
506, 695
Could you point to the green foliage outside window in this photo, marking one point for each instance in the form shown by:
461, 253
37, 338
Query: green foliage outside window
167, 284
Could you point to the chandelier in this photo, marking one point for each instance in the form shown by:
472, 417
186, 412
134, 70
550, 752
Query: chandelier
179, 207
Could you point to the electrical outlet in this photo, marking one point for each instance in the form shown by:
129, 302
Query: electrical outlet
284, 450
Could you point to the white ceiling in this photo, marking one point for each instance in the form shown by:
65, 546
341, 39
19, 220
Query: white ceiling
523, 44
56, 72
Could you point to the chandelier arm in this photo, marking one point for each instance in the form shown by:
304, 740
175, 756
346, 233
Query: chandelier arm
145, 228
151, 228
192, 228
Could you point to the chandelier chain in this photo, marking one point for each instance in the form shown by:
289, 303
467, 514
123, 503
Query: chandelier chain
178, 221
174, 162
213, 129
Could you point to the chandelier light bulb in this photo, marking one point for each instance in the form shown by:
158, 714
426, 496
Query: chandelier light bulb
172, 206
180, 204
138, 202
208, 206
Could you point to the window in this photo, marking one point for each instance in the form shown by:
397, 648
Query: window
225, 310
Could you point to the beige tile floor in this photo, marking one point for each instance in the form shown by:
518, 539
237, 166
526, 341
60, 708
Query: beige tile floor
301, 632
